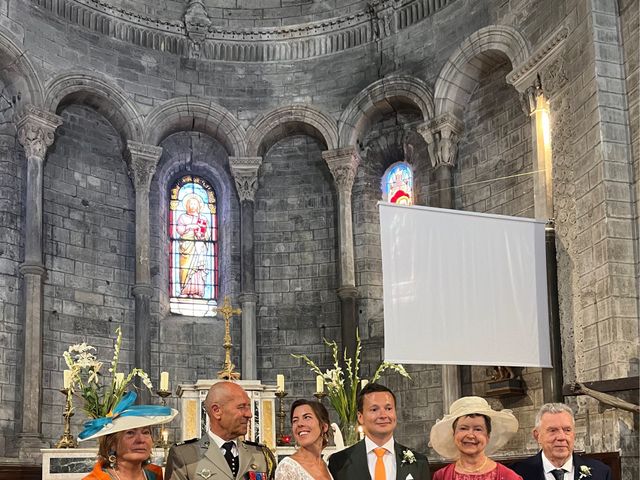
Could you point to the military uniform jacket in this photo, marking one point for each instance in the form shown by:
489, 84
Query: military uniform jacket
202, 459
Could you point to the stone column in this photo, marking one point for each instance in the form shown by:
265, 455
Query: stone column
142, 160
343, 164
441, 135
536, 105
36, 130
245, 174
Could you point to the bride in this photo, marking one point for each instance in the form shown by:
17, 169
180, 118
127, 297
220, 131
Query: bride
310, 427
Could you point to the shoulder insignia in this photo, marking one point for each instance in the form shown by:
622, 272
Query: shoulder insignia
186, 442
253, 444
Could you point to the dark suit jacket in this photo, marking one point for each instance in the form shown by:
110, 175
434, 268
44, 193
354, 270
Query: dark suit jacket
351, 464
531, 468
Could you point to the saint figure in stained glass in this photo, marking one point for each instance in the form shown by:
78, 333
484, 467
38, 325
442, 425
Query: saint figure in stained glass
397, 184
194, 262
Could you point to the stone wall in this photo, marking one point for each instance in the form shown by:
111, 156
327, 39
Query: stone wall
89, 249
12, 174
495, 159
295, 259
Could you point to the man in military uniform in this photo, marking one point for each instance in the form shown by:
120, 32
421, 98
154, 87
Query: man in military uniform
219, 454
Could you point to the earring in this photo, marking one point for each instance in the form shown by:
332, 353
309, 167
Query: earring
113, 460
147, 461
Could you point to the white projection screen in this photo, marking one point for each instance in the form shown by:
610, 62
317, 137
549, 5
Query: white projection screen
463, 288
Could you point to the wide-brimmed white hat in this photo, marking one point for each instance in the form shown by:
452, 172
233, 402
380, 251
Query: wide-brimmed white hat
503, 425
127, 416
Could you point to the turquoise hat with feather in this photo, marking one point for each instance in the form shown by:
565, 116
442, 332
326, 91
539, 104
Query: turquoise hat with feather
127, 416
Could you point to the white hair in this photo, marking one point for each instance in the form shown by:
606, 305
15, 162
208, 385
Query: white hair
553, 408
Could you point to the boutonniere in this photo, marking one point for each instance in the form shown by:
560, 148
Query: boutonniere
408, 456
584, 472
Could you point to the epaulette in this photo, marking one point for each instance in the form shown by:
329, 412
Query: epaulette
253, 444
186, 442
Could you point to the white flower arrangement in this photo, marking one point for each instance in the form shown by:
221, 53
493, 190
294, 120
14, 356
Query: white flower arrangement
584, 472
342, 386
408, 456
99, 399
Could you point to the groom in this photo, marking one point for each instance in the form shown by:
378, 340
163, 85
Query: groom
378, 456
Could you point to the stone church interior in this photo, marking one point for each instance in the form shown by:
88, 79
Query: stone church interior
202, 177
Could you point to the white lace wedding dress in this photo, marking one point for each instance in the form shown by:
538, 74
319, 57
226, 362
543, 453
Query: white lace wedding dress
289, 469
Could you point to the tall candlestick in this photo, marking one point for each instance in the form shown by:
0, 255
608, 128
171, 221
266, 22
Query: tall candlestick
319, 384
280, 383
66, 379
164, 381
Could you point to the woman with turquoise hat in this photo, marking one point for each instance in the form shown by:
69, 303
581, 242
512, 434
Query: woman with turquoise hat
126, 441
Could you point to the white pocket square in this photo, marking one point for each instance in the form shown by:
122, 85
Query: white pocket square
409, 477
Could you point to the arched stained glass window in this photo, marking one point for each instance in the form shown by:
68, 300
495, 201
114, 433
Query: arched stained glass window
397, 184
193, 237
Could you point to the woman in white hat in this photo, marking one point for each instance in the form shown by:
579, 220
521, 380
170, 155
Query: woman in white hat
468, 434
125, 440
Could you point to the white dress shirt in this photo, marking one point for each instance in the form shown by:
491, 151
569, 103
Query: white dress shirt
389, 458
547, 466
220, 441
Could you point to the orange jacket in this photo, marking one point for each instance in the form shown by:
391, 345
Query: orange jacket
152, 472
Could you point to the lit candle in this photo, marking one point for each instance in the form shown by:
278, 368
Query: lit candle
67, 379
319, 384
363, 383
119, 379
360, 432
165, 436
164, 381
280, 383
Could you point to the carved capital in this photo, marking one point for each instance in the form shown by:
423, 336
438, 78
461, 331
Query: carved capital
36, 131
142, 160
33, 268
245, 174
343, 165
442, 135
529, 97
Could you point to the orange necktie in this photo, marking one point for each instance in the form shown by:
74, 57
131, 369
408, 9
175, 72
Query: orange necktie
380, 472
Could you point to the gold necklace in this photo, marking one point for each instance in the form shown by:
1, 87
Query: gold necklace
144, 474
472, 470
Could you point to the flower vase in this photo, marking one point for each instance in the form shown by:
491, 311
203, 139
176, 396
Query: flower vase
350, 434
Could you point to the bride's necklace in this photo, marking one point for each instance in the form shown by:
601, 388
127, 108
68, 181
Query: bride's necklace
472, 470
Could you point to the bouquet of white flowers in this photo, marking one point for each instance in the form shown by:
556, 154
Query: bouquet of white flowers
342, 386
99, 399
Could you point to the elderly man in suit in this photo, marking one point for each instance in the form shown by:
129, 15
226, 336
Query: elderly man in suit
378, 456
555, 433
220, 454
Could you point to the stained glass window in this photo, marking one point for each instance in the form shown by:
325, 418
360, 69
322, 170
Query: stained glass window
397, 184
193, 251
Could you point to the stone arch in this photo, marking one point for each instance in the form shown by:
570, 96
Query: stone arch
195, 114
20, 74
284, 121
101, 95
382, 96
460, 74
